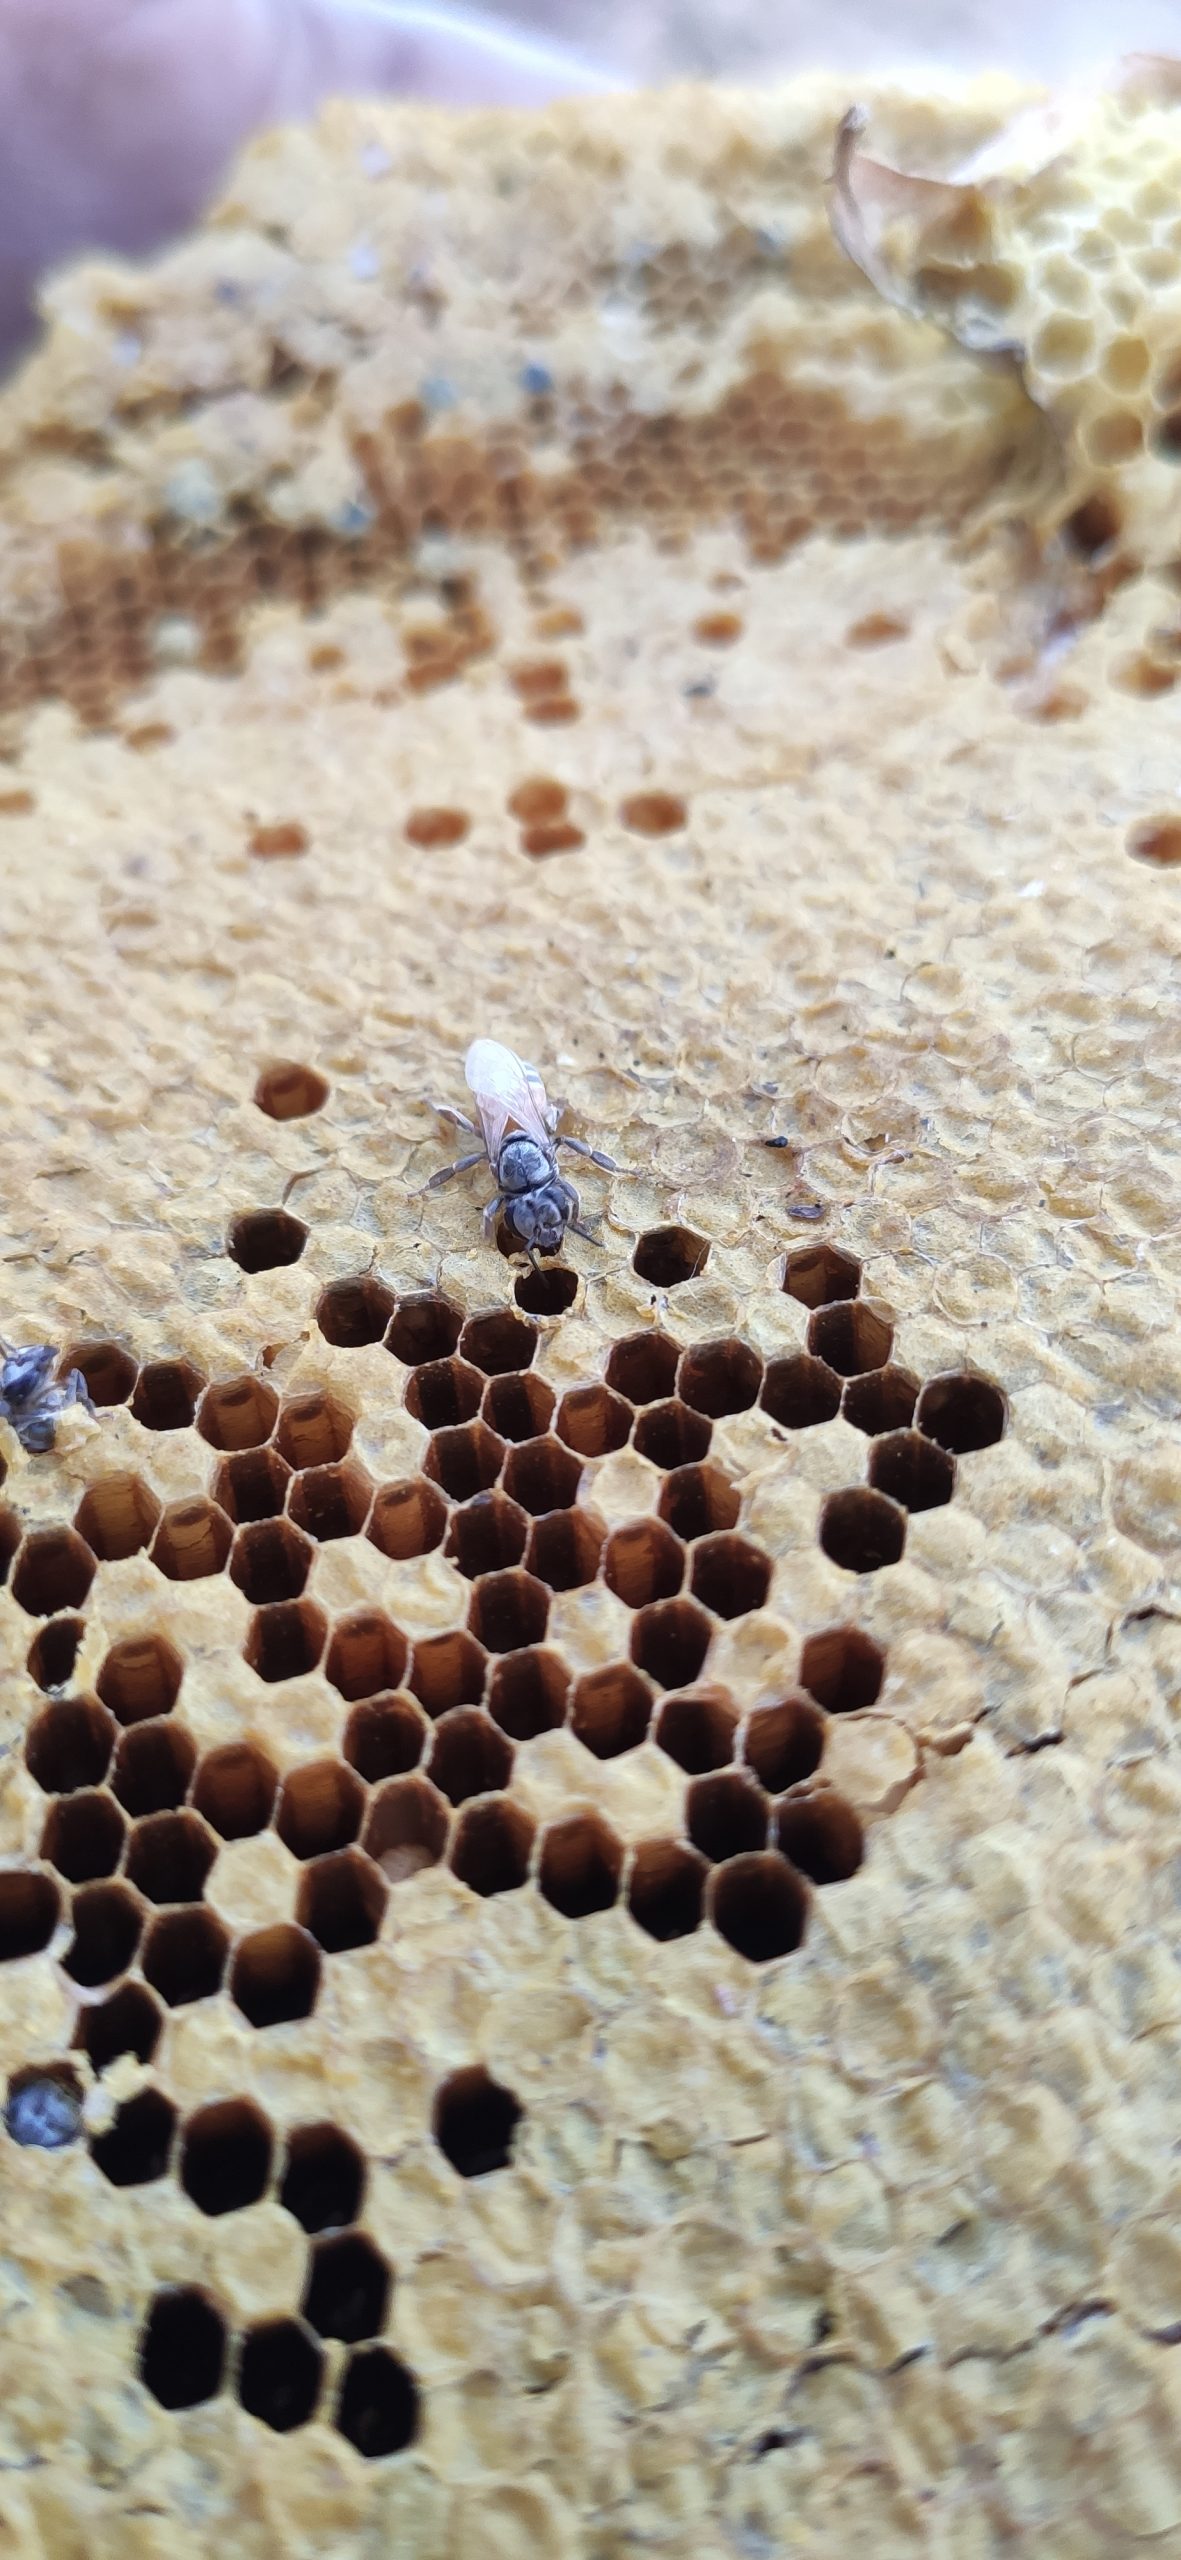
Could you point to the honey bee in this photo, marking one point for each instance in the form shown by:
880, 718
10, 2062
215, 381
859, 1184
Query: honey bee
31, 1398
518, 1132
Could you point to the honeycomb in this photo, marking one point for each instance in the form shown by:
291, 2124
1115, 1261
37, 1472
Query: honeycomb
588, 1949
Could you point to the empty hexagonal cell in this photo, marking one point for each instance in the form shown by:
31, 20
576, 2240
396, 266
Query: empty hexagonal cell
320, 1808
166, 1395
697, 1728
784, 1743
527, 1692
499, 1342
30, 1907
671, 1435
542, 1475
962, 1410
470, 1756
759, 1905
424, 1327
407, 1519
489, 1532
508, 1610
518, 1405
107, 1922
140, 1677
475, 2122
117, 1517
670, 1641
696, 1500
593, 1421
821, 1834
129, 2022
611, 1710
83, 1836
717, 1378
862, 1530
191, 1541
843, 1669
883, 1400
330, 1502
377, 2407
347, 2294
726, 1814
269, 1560
225, 2156
280, 2372
799, 1391
407, 1828
546, 1293
851, 1336
285, 1639
444, 1392
351, 1313
110, 1371
729, 1575
43, 2108
314, 1430
235, 1789
135, 2149
275, 1975
492, 1845
385, 1736
324, 2177
238, 1413
565, 1548
643, 1561
341, 1901
169, 1856
54, 1569
913, 1470
448, 1671
666, 1888
580, 1865
668, 1256
182, 2348
265, 1239
69, 1744
153, 1766
643, 1367
288, 1091
54, 1651
819, 1273
465, 1461
184, 1954
367, 1653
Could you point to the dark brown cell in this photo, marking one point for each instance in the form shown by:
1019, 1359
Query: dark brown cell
843, 1669
784, 1743
166, 1395
487, 1534
252, 1485
466, 1460
729, 1575
726, 1814
169, 1857
280, 2373
324, 2178
448, 1671
475, 2122
565, 1548
799, 1391
182, 2349
542, 1475
759, 1905
54, 1652
269, 1560
643, 1561
225, 2156
407, 1519
129, 2022
141, 1677
314, 1430
367, 1653
275, 1975
30, 1907
666, 1889
265, 1240
444, 1392
330, 1502
107, 1924
643, 1367
135, 2150
385, 1736
670, 1641
962, 1410
718, 1378
470, 1756
527, 1692
551, 1292
819, 1274
696, 1500
54, 1570
153, 1766
611, 1710
851, 1336
109, 1370
378, 2405
821, 1835
83, 1836
238, 1413
425, 1326
508, 1610
235, 1789
285, 1639
499, 1343
184, 1954
913, 1470
69, 1745
192, 1540
341, 1901
593, 1421
352, 1313
672, 1436
580, 1864
518, 1405
883, 1400
492, 1845
697, 1728
288, 1091
347, 2294
861, 1530
407, 1828
320, 1807
668, 1256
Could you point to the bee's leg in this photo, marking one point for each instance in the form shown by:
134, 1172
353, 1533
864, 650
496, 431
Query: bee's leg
492, 1216
447, 1172
448, 1111
593, 1155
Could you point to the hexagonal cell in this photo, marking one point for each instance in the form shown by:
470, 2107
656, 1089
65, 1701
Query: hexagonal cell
320, 1808
466, 1460
285, 1639
352, 1313
30, 1906
54, 1651
166, 1395
314, 1430
239, 1413
519, 1405
759, 1905
843, 1669
643, 1367
862, 1530
444, 1392
425, 1326
324, 2179
668, 1256
280, 2372
508, 1610
153, 1766
182, 2349
818, 1274
670, 1641
488, 1533
252, 1485
565, 1548
851, 1337
135, 2150
269, 1560
717, 1378
729, 1575
140, 1677
129, 2022
492, 1846
43, 2108
347, 2294
330, 1502
697, 1728
192, 1540
265, 1240
643, 1561
695, 1500
883, 1400
470, 1756
475, 2122
83, 1836
377, 2407
184, 1955
914, 1471
385, 1736
407, 1828
821, 1835
726, 1814
800, 1391
225, 2156
275, 1975
448, 1671
527, 1692
611, 1710
666, 1888
671, 1435
542, 1475
499, 1342
68, 1745
107, 1924
235, 1789
784, 1743
368, 1653
962, 1411
169, 1856
580, 1865
407, 1519
546, 1293
288, 1091
341, 1901
54, 1570
109, 1370
593, 1421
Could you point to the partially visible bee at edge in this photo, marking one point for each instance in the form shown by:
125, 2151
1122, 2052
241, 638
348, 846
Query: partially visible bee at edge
518, 1130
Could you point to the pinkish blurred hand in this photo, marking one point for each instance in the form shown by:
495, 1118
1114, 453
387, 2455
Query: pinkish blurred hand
119, 117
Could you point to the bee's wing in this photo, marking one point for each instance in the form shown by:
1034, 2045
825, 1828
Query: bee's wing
505, 1096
